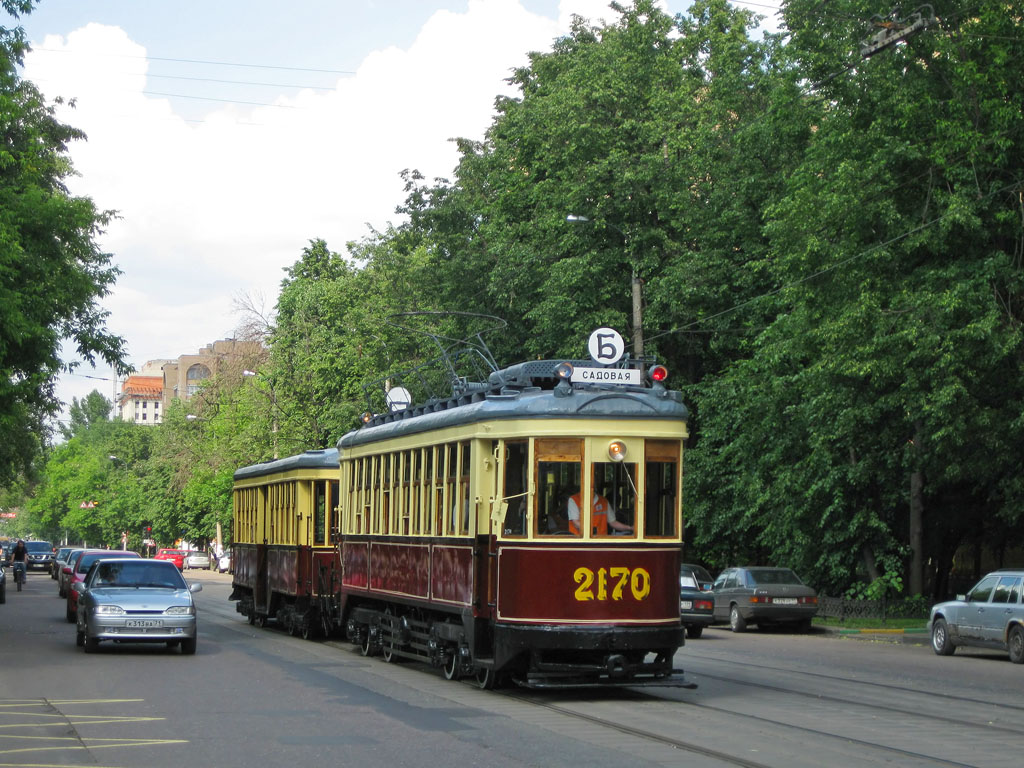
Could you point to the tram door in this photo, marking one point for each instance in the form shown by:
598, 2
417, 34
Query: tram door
511, 478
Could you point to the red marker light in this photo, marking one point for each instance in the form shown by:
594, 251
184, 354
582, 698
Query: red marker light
658, 372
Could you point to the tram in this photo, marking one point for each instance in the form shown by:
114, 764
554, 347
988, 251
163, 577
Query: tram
283, 559
462, 536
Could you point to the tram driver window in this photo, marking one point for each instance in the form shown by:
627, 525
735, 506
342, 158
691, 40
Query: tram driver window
613, 509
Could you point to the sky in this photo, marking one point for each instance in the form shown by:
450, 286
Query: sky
228, 134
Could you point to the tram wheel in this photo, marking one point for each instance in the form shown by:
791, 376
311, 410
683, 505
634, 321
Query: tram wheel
366, 647
451, 666
387, 647
307, 628
486, 679
260, 620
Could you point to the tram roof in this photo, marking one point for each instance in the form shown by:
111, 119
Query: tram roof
528, 402
326, 458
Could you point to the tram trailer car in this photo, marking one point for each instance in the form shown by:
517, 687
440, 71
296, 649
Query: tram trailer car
284, 561
457, 544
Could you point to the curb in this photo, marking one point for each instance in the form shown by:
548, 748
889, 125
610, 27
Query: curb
877, 633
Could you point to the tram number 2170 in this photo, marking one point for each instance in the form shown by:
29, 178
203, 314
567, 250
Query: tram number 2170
611, 583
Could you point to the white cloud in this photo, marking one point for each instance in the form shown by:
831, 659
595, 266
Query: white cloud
212, 210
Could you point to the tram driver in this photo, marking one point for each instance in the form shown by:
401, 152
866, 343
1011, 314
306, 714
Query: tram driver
602, 516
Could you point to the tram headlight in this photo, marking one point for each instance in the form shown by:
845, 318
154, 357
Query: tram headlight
563, 372
617, 450
365, 418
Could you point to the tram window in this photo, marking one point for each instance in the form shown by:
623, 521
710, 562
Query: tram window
333, 500
515, 488
613, 484
558, 481
414, 491
320, 519
661, 494
460, 500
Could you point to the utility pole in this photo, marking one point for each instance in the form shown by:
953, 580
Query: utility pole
636, 286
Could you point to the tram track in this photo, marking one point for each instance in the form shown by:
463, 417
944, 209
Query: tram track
769, 723
727, 758
886, 687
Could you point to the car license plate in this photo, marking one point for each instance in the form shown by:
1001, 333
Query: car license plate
686, 604
784, 601
143, 623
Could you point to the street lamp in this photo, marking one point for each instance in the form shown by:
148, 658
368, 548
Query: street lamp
635, 285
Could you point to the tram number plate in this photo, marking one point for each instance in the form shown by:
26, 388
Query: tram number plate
686, 604
143, 623
784, 601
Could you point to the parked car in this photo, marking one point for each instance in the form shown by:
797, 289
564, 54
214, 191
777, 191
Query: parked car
176, 556
696, 600
79, 567
39, 554
991, 615
223, 564
136, 601
196, 559
3, 585
60, 559
5, 552
64, 575
763, 596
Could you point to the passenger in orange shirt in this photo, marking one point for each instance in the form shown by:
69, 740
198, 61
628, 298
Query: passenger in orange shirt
602, 516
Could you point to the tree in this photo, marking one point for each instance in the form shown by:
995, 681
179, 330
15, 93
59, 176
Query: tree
871, 427
52, 273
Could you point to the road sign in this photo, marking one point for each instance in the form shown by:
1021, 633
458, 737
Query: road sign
606, 346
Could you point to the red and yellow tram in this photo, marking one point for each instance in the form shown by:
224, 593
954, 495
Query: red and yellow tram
462, 540
283, 561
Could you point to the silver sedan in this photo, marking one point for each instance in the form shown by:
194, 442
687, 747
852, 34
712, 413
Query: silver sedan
136, 601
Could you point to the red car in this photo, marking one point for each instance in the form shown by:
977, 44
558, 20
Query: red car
79, 566
176, 556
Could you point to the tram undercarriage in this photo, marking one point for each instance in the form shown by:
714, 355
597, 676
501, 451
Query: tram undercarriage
530, 657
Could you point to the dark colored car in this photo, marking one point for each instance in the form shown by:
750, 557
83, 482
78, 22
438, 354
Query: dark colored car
696, 600
3, 585
39, 554
764, 596
60, 559
79, 567
136, 601
991, 615
5, 552
64, 574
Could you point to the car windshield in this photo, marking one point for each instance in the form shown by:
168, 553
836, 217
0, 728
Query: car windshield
765, 576
38, 546
137, 573
87, 560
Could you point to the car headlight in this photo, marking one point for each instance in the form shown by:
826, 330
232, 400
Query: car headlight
180, 610
109, 610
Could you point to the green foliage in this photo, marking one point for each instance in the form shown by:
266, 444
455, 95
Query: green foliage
831, 254
52, 273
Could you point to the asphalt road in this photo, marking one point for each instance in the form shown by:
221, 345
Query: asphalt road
259, 697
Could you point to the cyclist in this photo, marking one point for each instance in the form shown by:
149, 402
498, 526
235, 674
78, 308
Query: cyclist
18, 561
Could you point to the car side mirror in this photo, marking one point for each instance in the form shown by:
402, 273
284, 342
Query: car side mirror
195, 586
